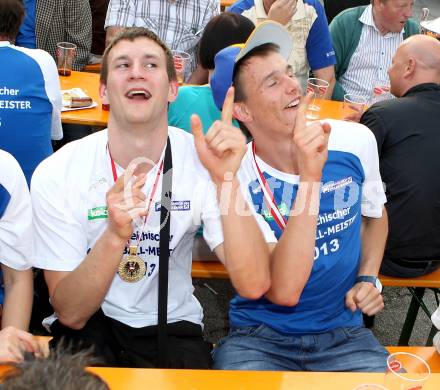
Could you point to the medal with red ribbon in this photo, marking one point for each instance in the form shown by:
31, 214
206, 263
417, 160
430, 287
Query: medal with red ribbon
269, 198
132, 268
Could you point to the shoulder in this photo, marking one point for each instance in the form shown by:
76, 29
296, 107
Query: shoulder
411, 27
9, 168
350, 137
348, 15
241, 5
73, 163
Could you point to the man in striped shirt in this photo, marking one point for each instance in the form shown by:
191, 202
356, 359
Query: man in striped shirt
178, 23
365, 40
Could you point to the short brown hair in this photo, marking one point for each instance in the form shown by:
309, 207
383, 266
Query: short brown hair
11, 16
63, 369
130, 34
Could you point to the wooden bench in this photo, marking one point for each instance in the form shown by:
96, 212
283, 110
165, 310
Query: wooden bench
429, 354
417, 286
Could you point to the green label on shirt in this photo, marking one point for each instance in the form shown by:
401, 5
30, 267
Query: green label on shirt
97, 213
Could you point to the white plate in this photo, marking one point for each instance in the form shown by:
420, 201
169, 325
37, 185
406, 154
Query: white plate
78, 92
94, 104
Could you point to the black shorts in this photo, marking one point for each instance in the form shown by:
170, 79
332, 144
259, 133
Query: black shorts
119, 345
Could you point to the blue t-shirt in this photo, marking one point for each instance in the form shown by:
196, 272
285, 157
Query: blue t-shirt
30, 102
26, 35
194, 99
351, 187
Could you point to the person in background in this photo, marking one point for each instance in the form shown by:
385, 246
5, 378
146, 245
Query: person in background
30, 96
408, 141
306, 22
178, 23
365, 39
15, 244
222, 30
48, 22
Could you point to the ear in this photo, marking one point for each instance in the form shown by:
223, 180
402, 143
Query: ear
410, 68
241, 112
172, 92
103, 93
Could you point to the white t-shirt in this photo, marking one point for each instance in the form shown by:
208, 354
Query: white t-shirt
70, 214
15, 215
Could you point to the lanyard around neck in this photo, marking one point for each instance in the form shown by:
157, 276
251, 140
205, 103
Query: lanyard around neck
269, 198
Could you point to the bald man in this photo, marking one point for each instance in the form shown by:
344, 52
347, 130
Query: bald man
408, 139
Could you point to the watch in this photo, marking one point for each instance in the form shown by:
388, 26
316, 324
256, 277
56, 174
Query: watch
370, 279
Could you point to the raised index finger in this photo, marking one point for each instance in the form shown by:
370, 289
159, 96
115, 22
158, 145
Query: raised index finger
228, 106
301, 121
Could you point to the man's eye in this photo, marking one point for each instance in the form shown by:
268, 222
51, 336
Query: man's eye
123, 65
151, 65
272, 83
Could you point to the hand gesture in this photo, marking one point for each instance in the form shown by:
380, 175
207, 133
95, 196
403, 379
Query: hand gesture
15, 342
281, 11
126, 202
366, 297
310, 143
223, 147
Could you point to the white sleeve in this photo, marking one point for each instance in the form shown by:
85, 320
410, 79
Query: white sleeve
373, 194
15, 215
121, 13
53, 90
60, 241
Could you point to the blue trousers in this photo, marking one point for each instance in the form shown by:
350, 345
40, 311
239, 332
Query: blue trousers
262, 348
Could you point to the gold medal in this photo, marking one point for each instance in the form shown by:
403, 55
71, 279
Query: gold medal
132, 268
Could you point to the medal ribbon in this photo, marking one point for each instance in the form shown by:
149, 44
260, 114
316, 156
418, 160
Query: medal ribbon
150, 196
269, 198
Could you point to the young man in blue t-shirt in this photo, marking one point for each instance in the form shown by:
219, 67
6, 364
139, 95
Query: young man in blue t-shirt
316, 185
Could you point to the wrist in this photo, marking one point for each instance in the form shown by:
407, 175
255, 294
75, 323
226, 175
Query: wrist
374, 280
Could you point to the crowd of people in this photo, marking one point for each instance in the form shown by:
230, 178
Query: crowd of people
303, 214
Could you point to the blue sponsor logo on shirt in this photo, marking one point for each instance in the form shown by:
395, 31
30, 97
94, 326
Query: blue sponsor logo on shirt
176, 205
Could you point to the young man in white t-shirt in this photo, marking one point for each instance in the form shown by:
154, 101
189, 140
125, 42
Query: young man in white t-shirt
101, 195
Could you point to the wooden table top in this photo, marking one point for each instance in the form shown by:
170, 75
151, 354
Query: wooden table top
89, 83
131, 378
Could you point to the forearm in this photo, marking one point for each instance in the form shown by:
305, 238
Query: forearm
18, 299
78, 295
292, 259
374, 236
246, 252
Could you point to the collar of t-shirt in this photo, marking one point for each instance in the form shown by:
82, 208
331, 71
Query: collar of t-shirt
261, 13
368, 20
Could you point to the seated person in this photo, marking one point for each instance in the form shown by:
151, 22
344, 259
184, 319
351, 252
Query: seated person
30, 111
48, 22
408, 141
317, 186
221, 31
99, 236
365, 39
306, 22
177, 23
15, 243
